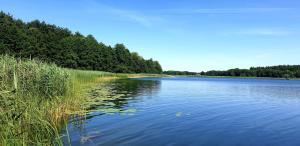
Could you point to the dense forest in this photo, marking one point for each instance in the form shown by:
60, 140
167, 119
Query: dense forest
280, 71
54, 44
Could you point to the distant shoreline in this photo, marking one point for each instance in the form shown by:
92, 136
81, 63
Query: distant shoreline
236, 77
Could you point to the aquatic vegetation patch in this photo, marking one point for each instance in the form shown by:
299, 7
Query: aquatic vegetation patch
178, 114
105, 99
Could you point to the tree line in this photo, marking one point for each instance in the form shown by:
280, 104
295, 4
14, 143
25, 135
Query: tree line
280, 71
58, 45
173, 72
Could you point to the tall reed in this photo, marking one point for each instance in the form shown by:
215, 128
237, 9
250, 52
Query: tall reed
28, 89
37, 99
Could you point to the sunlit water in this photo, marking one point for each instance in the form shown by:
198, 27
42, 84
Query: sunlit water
195, 111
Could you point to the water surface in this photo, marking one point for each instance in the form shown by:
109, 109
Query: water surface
194, 111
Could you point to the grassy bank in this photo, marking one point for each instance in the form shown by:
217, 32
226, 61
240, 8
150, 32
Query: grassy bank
37, 99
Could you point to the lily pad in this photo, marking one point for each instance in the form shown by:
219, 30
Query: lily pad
178, 114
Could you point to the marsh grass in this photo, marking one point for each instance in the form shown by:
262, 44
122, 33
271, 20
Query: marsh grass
37, 99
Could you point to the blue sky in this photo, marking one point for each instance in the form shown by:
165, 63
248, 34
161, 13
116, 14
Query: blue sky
192, 35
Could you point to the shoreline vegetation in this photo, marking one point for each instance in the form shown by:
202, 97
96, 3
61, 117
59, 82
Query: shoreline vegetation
37, 99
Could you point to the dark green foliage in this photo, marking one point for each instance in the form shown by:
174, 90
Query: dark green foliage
51, 43
172, 72
281, 71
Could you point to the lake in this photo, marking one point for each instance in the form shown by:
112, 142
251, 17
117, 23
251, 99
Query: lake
194, 111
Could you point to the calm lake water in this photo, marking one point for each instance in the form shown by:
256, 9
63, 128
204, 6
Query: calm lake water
194, 111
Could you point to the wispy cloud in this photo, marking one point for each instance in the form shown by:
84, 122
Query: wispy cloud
226, 10
135, 16
256, 32
264, 32
124, 14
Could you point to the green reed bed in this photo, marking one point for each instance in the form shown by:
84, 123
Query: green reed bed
28, 90
36, 99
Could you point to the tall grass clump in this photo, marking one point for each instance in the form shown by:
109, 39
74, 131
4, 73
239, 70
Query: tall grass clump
32, 78
30, 93
37, 99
